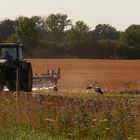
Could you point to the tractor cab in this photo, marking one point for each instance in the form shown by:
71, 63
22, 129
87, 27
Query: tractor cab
11, 51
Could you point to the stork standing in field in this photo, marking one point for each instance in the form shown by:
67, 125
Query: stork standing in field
95, 88
55, 87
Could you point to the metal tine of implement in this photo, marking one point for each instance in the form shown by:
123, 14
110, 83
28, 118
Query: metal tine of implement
51, 77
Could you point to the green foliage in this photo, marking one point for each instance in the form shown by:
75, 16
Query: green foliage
60, 117
132, 36
106, 31
57, 37
12, 38
7, 27
21, 133
107, 48
27, 29
78, 33
77, 38
55, 25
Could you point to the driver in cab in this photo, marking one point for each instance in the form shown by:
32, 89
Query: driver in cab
9, 58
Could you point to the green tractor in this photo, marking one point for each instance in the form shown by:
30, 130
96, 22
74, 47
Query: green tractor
15, 72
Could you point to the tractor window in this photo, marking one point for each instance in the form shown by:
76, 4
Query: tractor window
11, 52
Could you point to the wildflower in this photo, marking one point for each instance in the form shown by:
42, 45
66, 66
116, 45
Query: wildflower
104, 120
107, 128
94, 120
49, 120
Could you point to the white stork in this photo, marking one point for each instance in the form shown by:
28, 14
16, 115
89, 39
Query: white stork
95, 88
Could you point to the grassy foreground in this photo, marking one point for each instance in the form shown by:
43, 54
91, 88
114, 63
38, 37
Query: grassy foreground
69, 116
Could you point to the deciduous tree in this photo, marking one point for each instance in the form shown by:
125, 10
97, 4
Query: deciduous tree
7, 27
131, 36
55, 25
27, 29
106, 31
77, 38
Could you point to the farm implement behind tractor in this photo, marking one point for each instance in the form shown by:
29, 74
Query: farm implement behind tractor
16, 73
46, 80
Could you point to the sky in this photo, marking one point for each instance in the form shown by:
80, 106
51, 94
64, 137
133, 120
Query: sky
118, 13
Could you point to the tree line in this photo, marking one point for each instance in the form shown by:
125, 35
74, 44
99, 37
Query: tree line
55, 36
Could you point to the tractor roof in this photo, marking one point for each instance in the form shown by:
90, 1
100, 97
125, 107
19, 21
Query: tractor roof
10, 45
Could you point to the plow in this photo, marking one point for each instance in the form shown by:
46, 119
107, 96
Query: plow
46, 81
16, 73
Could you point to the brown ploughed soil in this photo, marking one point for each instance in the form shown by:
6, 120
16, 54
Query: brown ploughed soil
76, 74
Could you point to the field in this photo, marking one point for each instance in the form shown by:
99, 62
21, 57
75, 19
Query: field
71, 113
57, 116
76, 74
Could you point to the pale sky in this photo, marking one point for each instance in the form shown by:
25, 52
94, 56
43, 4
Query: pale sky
118, 13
